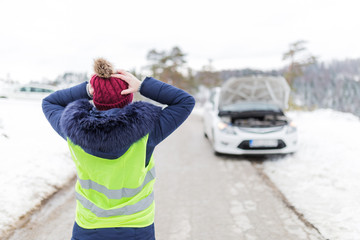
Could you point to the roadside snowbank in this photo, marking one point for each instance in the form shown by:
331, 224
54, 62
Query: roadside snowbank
34, 160
2, 132
322, 179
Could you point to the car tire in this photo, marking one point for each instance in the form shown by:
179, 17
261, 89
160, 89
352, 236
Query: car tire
217, 153
206, 136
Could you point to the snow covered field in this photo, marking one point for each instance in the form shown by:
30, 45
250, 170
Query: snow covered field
322, 180
34, 160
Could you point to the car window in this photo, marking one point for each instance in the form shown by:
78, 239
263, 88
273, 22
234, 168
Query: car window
35, 90
212, 95
251, 106
25, 89
212, 99
47, 90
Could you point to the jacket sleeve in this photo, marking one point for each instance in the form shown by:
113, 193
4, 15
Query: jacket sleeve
180, 105
54, 104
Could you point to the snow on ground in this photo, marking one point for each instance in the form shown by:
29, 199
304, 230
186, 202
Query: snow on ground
322, 179
34, 159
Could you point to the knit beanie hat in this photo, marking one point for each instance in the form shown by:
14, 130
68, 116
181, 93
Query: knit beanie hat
107, 89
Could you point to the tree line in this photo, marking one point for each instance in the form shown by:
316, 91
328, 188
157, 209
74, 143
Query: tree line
314, 84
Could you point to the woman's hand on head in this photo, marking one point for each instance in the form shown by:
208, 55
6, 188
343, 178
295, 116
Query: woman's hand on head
134, 83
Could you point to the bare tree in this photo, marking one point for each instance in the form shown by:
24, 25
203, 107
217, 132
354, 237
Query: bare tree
298, 59
168, 66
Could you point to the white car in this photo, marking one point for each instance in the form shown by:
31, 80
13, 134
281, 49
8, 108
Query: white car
246, 116
28, 91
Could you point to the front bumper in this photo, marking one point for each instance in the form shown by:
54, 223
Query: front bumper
239, 144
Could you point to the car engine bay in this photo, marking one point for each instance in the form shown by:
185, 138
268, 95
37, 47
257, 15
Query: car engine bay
255, 119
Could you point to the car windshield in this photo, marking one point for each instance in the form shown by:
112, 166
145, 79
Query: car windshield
250, 106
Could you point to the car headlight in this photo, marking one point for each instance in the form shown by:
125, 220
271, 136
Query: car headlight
226, 128
291, 128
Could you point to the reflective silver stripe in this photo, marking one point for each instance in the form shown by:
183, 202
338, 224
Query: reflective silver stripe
126, 210
117, 193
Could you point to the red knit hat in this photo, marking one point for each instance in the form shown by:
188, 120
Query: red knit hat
107, 89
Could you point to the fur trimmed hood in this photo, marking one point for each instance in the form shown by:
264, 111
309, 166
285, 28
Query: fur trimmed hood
107, 131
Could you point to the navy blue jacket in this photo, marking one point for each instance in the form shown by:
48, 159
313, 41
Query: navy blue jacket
108, 134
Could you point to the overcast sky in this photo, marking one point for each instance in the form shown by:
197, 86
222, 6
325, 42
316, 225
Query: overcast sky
43, 39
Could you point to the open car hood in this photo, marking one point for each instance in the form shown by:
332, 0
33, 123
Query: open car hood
274, 90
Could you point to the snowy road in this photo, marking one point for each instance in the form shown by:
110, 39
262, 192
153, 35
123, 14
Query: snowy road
198, 196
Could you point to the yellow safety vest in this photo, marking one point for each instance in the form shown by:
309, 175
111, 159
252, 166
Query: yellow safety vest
114, 192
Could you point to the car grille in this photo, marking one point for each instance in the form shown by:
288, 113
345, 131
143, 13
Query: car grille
262, 130
246, 146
